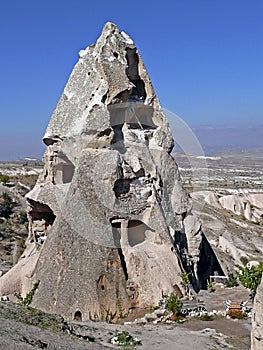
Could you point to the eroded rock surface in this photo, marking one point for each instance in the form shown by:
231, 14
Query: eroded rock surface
257, 320
110, 224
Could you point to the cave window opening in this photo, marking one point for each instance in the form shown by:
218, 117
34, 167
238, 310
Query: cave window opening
64, 170
135, 116
78, 316
42, 219
138, 92
136, 232
121, 188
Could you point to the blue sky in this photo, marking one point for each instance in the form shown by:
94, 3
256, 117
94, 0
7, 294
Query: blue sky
204, 58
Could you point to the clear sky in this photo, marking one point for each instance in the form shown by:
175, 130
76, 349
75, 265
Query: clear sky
205, 59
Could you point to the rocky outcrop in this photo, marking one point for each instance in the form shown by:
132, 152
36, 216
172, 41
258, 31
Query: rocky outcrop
257, 320
110, 224
247, 205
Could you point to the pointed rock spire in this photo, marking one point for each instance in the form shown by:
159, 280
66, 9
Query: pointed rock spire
110, 223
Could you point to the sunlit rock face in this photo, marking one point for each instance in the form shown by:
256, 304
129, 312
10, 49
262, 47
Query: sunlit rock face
110, 224
257, 320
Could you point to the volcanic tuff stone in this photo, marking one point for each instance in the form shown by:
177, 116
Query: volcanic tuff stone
110, 223
257, 320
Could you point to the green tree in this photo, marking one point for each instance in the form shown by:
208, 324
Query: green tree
250, 277
4, 178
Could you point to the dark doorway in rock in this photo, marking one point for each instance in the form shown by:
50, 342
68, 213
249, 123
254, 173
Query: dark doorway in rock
78, 316
208, 264
136, 232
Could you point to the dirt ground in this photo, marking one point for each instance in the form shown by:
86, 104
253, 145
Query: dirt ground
235, 333
220, 333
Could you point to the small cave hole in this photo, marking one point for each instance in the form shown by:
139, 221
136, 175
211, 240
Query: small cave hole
115, 54
102, 282
121, 188
78, 316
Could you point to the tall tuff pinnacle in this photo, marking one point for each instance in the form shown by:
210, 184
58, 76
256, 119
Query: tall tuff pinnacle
110, 223
107, 73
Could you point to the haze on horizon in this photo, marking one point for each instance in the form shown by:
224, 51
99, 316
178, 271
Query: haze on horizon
204, 59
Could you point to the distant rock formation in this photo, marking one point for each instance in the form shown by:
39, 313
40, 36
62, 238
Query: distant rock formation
248, 205
257, 320
110, 224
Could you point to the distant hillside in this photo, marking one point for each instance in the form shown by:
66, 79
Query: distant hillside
220, 139
27, 161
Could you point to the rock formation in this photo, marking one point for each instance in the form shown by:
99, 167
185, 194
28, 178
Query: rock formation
110, 224
257, 320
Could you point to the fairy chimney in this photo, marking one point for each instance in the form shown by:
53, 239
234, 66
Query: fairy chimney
110, 223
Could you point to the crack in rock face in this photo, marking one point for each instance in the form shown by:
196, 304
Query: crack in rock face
110, 225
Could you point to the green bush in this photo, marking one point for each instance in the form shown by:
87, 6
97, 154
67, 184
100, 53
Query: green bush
231, 281
174, 304
185, 279
206, 317
124, 339
29, 297
250, 277
4, 178
119, 305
